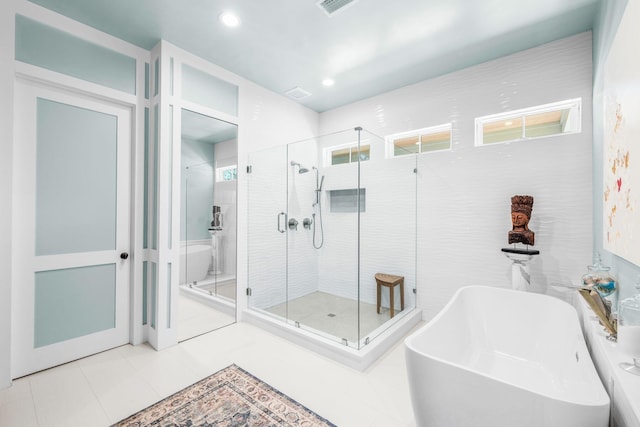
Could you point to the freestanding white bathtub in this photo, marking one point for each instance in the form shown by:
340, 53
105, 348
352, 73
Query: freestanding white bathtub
498, 357
194, 262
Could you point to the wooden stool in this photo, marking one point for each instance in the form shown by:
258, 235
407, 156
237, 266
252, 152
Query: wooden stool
390, 281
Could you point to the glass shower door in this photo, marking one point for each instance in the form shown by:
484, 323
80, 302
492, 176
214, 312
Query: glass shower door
267, 231
322, 244
387, 237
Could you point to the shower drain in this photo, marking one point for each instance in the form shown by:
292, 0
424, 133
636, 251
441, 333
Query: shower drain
331, 315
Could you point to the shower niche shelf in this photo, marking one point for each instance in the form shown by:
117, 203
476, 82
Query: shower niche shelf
347, 200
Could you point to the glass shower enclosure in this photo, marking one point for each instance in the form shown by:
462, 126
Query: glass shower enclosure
325, 216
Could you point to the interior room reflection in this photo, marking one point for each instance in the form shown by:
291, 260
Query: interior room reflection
208, 224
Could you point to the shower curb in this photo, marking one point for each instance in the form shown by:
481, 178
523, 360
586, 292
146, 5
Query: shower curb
356, 359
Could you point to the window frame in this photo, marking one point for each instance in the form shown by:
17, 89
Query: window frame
575, 116
431, 130
328, 152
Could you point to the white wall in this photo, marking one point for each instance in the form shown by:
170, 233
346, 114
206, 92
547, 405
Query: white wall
464, 195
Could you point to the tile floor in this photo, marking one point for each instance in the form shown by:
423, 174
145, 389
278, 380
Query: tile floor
196, 318
104, 388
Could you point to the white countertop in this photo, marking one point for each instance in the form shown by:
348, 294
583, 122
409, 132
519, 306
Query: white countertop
623, 387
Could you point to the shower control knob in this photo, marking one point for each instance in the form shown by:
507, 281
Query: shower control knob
124, 255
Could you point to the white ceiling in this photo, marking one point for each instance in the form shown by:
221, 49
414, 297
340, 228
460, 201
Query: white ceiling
369, 47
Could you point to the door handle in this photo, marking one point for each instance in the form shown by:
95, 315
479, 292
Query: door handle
282, 229
124, 255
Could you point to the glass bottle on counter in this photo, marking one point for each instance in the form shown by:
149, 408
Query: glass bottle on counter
599, 278
629, 330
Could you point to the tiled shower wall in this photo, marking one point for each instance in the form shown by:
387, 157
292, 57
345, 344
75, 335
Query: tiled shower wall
387, 229
464, 194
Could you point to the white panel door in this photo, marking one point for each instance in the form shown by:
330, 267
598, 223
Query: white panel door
71, 237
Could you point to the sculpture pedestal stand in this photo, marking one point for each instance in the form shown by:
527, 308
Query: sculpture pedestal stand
215, 252
520, 278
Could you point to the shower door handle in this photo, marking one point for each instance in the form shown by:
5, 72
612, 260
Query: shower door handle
282, 229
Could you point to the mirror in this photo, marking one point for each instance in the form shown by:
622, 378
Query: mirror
208, 224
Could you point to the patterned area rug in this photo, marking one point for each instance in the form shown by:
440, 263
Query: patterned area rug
231, 397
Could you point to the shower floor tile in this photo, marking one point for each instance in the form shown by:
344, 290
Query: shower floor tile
332, 314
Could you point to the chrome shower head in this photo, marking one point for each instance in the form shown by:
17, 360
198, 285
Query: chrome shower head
302, 169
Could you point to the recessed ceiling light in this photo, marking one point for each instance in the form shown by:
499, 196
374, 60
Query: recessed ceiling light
328, 82
229, 19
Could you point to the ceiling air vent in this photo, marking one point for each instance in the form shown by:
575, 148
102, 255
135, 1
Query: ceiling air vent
332, 6
297, 93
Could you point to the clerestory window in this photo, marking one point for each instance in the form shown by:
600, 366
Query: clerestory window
349, 153
434, 138
557, 118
